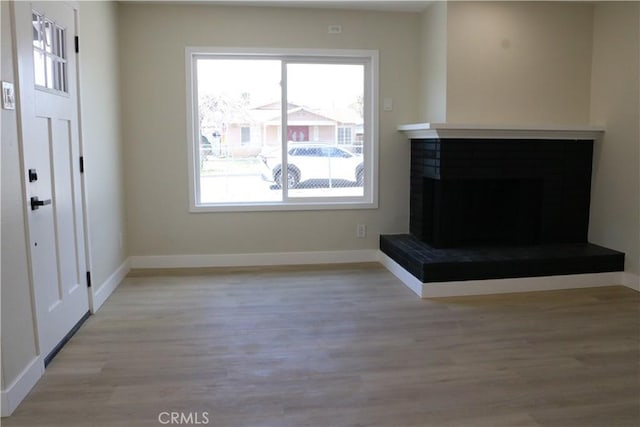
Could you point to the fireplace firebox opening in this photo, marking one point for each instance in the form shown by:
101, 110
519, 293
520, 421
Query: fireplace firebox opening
485, 212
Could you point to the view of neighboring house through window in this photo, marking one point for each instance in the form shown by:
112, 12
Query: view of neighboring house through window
282, 130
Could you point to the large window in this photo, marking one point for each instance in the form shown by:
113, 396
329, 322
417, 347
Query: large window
282, 129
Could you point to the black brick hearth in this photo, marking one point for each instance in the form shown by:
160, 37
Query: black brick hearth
429, 264
499, 208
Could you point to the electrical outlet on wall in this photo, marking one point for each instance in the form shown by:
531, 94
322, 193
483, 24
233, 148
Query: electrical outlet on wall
361, 231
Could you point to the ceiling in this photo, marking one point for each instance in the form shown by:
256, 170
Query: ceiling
388, 6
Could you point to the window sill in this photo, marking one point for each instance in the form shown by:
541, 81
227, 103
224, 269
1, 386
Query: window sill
272, 207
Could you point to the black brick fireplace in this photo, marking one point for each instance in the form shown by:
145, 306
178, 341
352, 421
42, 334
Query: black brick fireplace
489, 208
470, 192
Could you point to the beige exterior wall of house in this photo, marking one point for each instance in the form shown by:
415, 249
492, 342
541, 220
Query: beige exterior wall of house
326, 133
272, 135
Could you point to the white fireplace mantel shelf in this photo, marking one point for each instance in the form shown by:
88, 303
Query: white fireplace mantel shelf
464, 131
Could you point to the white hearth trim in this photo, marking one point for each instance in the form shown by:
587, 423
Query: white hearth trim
500, 286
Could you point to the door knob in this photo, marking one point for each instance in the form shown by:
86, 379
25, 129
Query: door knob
36, 203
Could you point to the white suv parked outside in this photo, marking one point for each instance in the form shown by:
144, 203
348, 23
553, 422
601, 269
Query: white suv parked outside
312, 161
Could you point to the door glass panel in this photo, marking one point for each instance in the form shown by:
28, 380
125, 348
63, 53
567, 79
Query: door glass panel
49, 53
64, 78
50, 72
37, 34
38, 64
48, 36
59, 74
60, 36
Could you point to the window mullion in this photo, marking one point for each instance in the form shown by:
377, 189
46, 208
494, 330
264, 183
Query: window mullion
285, 132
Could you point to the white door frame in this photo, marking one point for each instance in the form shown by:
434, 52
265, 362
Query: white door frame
93, 307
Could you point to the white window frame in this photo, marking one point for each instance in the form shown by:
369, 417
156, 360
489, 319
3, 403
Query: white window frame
368, 58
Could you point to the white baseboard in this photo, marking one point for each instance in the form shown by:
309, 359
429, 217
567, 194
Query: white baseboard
103, 291
631, 281
251, 260
18, 389
499, 286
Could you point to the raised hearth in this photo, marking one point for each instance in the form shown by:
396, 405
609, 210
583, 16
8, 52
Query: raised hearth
499, 202
429, 264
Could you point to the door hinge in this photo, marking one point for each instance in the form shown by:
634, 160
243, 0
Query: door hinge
77, 44
81, 164
88, 279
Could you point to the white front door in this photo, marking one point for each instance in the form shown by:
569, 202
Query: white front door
48, 98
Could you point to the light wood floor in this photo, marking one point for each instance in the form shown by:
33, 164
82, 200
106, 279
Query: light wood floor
343, 346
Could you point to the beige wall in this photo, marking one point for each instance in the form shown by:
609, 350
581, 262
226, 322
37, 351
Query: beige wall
615, 204
433, 64
518, 62
101, 135
18, 336
152, 46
